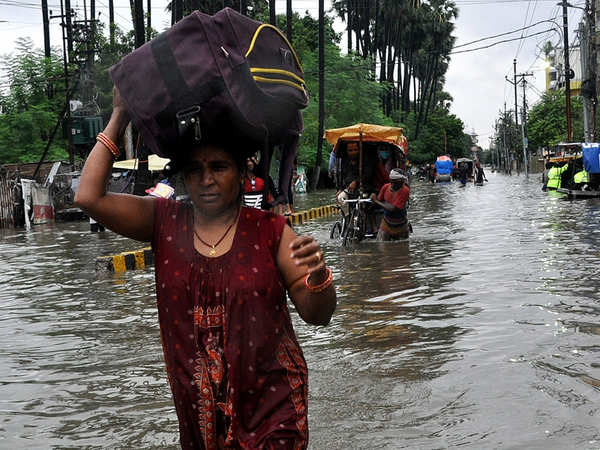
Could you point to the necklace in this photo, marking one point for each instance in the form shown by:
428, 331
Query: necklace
213, 248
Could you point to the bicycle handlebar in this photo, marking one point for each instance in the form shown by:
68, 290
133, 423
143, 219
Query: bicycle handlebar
359, 200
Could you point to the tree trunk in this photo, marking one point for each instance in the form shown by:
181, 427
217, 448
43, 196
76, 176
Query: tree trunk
349, 26
288, 19
149, 20
319, 157
138, 13
272, 15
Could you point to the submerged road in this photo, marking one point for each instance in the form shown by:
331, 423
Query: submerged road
481, 331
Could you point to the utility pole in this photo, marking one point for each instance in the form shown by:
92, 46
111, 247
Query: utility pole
506, 161
524, 125
111, 21
46, 22
65, 17
567, 70
591, 29
515, 85
585, 85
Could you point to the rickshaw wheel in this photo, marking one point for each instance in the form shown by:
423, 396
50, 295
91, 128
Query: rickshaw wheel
354, 231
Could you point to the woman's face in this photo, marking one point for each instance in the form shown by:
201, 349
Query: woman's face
352, 150
213, 180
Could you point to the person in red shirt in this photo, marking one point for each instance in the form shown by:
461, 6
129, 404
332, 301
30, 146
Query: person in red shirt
393, 198
255, 194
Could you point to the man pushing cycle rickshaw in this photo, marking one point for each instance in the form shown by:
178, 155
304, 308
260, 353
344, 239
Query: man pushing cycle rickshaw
365, 158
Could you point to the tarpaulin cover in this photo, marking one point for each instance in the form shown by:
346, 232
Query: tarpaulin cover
370, 133
444, 167
591, 157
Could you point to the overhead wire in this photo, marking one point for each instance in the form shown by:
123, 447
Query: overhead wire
499, 42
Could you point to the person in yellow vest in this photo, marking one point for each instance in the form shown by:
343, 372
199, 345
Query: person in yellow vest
554, 177
580, 179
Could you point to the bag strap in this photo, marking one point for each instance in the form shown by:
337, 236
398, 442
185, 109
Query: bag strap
186, 103
167, 65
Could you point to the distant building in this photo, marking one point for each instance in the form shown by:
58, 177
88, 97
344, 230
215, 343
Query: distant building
555, 76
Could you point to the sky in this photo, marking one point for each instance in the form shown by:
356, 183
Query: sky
475, 79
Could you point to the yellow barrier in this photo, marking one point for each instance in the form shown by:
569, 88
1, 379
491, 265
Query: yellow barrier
313, 213
139, 259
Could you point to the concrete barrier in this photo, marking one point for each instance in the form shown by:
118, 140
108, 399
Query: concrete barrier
140, 259
313, 213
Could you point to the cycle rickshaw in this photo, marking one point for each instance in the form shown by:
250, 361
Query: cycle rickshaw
380, 149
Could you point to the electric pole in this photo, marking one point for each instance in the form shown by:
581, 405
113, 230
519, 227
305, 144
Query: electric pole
567, 70
506, 160
590, 74
585, 85
46, 22
515, 85
524, 124
111, 21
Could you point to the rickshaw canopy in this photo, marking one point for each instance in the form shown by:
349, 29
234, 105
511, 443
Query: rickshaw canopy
370, 133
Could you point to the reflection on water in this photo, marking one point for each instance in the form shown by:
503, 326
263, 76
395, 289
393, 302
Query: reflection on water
481, 331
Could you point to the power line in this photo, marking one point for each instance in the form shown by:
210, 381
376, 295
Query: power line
500, 42
501, 34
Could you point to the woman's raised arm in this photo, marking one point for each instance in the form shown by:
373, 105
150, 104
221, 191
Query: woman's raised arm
129, 215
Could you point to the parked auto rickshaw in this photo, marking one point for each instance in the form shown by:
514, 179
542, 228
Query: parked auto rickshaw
380, 149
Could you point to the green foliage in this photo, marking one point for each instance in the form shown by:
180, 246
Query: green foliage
547, 124
442, 134
351, 95
32, 104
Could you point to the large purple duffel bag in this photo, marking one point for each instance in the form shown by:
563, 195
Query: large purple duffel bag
225, 72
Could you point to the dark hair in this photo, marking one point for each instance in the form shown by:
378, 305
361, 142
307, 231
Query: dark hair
234, 147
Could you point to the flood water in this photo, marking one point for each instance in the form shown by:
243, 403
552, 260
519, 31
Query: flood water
481, 331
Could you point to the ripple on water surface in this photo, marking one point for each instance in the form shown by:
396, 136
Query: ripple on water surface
481, 331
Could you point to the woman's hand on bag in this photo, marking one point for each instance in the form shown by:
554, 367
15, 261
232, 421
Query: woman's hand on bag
120, 113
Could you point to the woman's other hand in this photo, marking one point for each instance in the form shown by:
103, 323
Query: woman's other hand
300, 260
305, 251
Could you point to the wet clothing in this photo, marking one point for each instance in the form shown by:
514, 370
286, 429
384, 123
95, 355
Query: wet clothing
554, 177
581, 177
462, 175
394, 224
350, 173
236, 370
479, 175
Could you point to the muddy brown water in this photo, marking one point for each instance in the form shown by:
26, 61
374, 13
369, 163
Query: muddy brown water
481, 331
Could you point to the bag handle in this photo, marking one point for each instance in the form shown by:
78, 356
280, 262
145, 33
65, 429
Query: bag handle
276, 30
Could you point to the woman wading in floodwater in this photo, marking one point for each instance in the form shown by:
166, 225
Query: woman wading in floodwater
237, 373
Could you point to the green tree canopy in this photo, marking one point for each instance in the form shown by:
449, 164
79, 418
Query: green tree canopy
32, 104
547, 125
